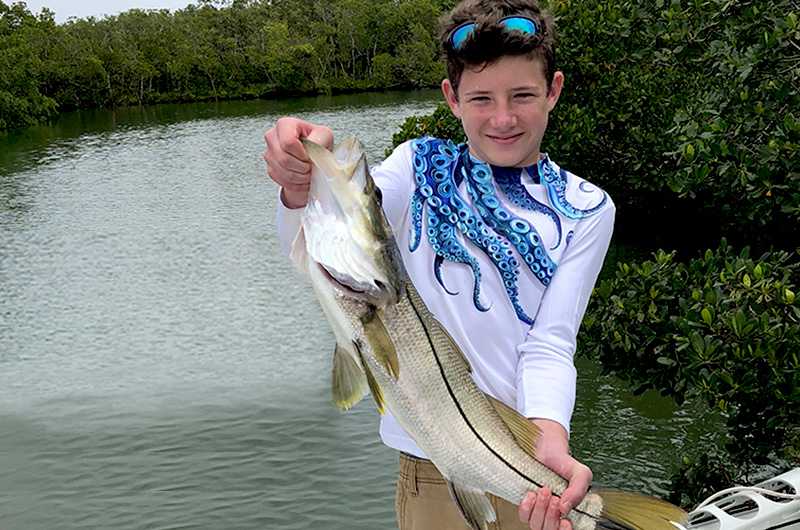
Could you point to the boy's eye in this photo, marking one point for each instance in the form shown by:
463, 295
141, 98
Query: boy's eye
523, 95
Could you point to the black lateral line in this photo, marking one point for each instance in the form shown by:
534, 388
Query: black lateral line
461, 410
464, 416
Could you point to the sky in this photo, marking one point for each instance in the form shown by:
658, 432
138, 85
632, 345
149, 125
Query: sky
97, 8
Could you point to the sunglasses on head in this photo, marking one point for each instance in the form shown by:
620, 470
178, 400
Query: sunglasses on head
524, 25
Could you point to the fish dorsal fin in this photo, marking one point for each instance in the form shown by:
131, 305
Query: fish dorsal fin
380, 342
473, 505
524, 431
372, 383
452, 341
348, 382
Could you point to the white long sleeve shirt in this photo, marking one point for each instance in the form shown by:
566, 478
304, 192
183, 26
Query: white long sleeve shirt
527, 366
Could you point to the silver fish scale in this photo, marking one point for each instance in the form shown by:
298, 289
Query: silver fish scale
438, 404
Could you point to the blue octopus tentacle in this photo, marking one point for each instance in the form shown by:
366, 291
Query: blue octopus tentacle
435, 188
521, 234
446, 246
417, 204
497, 248
556, 184
509, 180
417, 200
439, 170
437, 271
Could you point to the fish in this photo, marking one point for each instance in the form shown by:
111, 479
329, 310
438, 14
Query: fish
388, 344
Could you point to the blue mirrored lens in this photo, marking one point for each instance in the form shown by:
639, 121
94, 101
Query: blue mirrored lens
461, 34
526, 26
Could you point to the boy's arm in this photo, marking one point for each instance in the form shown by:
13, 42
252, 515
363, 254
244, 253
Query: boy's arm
546, 374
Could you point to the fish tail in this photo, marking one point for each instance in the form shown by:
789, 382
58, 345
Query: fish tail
638, 512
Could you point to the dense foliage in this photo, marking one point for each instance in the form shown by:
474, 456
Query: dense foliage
690, 120
686, 112
441, 124
722, 327
697, 99
216, 49
21, 101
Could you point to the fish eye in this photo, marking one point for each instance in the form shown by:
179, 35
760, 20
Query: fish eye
379, 195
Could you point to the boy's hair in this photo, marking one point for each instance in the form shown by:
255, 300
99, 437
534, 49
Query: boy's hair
489, 42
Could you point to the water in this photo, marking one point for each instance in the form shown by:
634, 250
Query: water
162, 367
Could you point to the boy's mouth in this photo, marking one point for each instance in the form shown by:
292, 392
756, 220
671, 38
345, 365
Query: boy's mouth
504, 139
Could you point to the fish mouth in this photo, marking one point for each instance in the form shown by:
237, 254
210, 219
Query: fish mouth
376, 292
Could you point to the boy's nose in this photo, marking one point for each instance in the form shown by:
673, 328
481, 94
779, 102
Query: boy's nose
504, 118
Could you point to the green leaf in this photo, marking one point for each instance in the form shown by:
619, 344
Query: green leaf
739, 321
698, 343
789, 124
711, 297
688, 152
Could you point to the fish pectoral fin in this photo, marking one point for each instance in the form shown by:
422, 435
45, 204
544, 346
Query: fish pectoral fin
473, 505
372, 383
525, 432
348, 382
299, 253
453, 344
380, 342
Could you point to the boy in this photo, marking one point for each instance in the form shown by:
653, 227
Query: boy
502, 244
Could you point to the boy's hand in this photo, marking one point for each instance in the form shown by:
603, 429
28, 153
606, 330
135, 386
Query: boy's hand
287, 161
543, 510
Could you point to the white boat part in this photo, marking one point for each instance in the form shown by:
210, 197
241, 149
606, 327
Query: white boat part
770, 505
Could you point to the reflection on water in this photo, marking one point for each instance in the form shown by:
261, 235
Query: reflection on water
160, 364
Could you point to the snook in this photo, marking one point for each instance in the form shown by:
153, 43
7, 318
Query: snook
389, 344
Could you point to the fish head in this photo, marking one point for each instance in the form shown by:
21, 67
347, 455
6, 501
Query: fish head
346, 232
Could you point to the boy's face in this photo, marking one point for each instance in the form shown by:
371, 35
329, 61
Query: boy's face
504, 108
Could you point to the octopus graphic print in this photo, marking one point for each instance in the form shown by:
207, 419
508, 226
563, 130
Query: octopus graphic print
508, 240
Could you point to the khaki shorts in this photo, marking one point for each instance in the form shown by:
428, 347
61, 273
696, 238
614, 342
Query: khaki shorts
424, 503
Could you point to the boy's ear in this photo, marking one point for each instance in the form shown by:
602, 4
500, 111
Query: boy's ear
451, 97
555, 90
